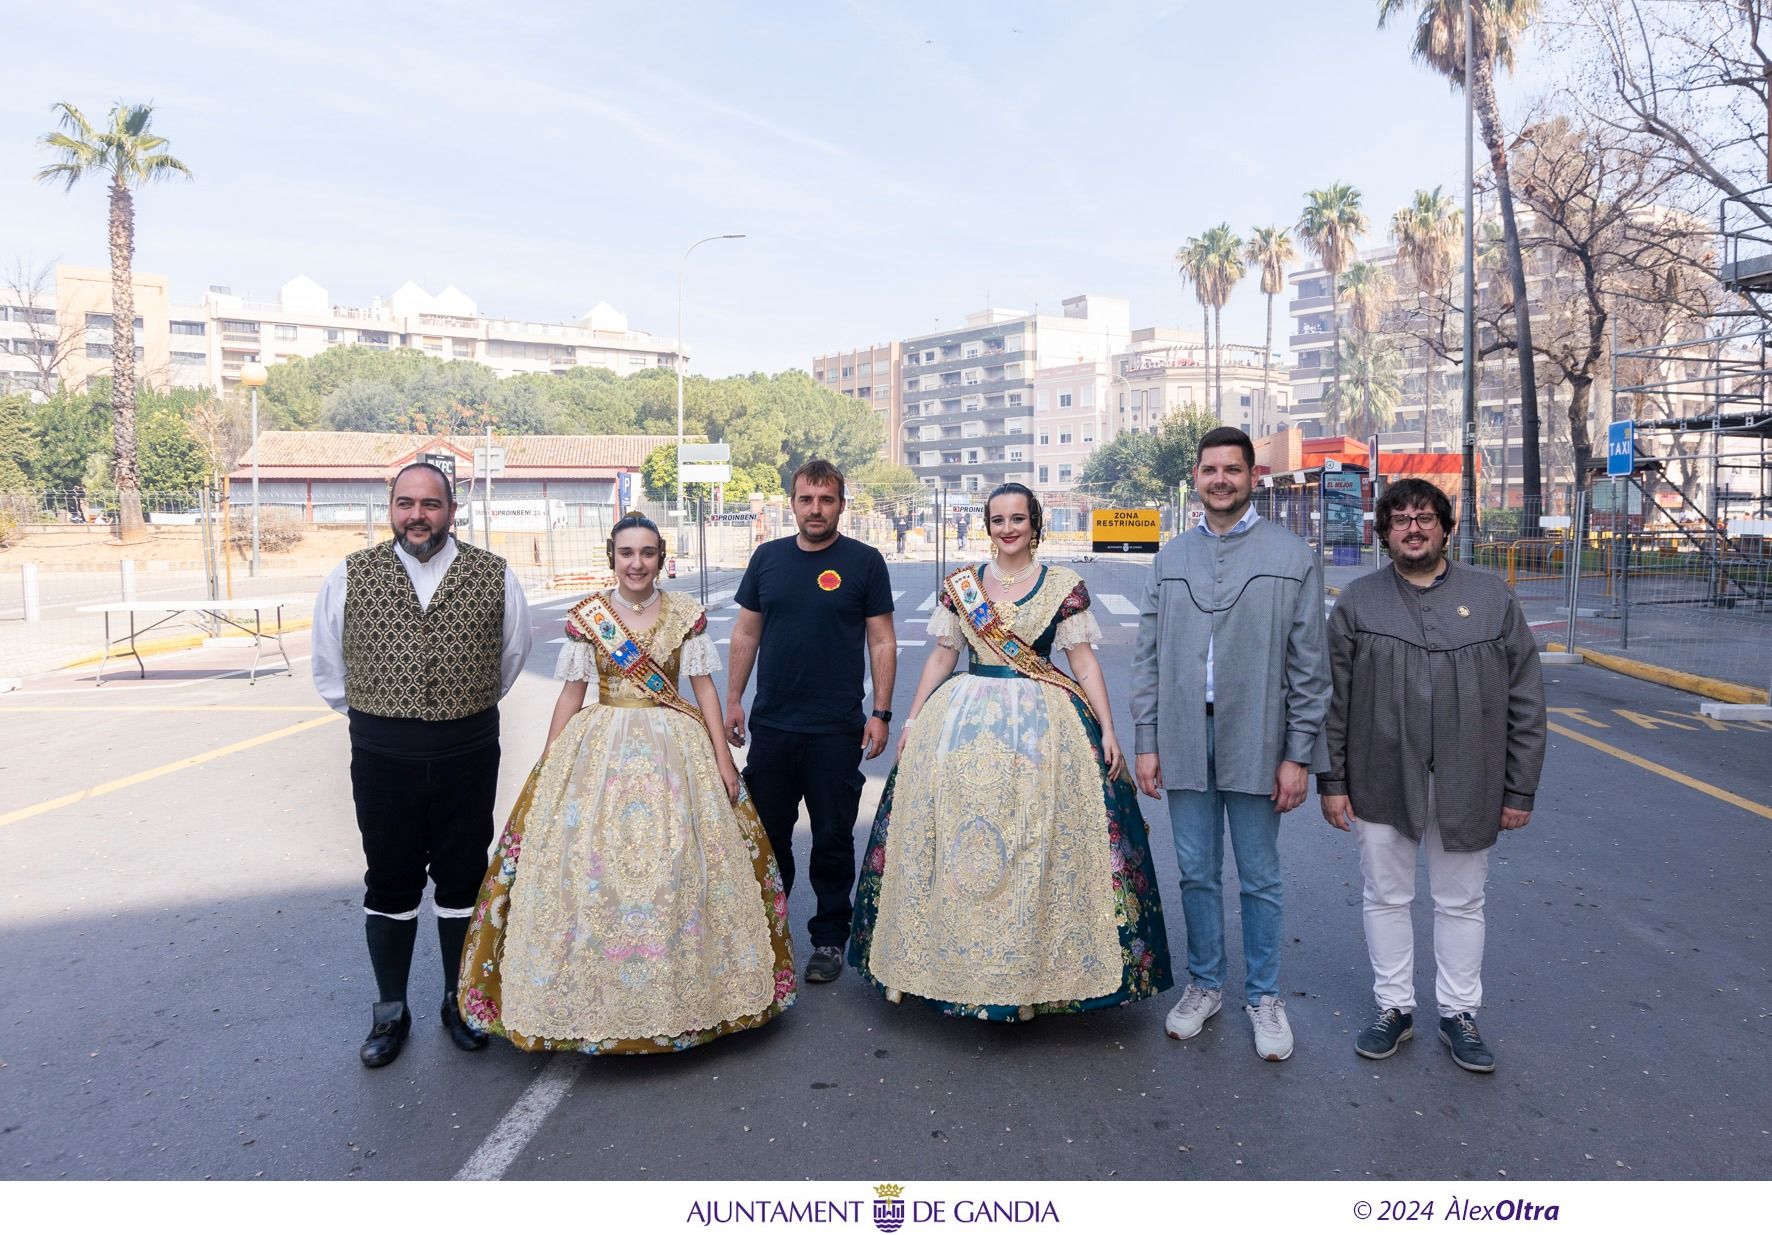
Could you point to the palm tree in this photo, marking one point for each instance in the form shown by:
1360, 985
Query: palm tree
1439, 43
1425, 231
129, 155
1193, 262
1330, 223
1366, 288
1270, 248
1225, 268
1373, 381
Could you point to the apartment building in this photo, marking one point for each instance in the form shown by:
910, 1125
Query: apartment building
1072, 417
970, 393
205, 344
870, 374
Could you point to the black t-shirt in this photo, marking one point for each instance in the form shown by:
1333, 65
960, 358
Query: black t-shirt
815, 606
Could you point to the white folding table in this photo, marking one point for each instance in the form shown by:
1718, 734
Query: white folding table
222, 611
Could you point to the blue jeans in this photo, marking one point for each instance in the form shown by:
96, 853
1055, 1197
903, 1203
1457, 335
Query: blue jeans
1197, 819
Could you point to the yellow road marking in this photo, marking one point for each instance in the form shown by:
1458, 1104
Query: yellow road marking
165, 769
1581, 715
189, 707
1649, 765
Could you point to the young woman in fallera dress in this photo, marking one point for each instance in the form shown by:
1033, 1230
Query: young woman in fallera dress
1008, 873
633, 904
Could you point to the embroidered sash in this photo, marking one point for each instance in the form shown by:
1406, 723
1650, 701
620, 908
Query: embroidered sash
625, 652
976, 610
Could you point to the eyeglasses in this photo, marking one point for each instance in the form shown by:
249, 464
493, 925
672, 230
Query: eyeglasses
1424, 520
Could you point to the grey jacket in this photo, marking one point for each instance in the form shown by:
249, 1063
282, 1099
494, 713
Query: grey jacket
1443, 681
1258, 596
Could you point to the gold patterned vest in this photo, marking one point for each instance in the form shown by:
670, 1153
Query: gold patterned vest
434, 664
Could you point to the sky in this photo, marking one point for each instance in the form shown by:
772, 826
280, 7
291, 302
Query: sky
893, 165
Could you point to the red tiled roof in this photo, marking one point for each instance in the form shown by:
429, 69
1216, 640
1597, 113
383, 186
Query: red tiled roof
289, 455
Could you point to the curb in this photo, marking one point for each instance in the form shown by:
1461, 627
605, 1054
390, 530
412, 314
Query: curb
180, 643
1692, 683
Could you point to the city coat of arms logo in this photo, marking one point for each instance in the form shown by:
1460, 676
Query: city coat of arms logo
888, 1207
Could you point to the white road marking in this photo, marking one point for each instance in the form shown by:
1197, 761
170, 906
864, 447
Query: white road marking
1134, 625
1117, 603
722, 617
911, 621
912, 643
722, 641
520, 1124
897, 596
927, 604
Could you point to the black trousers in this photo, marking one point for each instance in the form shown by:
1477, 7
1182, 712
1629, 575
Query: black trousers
422, 817
824, 769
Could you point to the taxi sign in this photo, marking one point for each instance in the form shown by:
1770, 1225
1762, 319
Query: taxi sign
1124, 531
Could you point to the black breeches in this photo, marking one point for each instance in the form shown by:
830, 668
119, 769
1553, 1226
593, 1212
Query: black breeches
424, 817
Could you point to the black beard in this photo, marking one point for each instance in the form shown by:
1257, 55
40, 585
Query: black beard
423, 549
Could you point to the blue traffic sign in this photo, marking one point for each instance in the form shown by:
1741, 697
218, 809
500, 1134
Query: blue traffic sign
1621, 448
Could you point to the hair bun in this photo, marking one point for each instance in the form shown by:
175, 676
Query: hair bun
635, 514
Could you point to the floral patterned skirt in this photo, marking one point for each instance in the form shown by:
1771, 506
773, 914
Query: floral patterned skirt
1005, 875
631, 907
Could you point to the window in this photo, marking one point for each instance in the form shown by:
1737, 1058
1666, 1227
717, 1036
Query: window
1243, 400
338, 336
33, 317
928, 357
1015, 400
971, 350
284, 333
192, 328
972, 456
1045, 439
864, 370
194, 358
1015, 426
1064, 437
102, 321
863, 392
463, 349
1015, 454
1064, 400
848, 371
1045, 477
251, 328
1088, 435
1064, 473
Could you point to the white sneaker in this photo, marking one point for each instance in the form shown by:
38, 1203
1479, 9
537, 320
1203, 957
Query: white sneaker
1273, 1036
1197, 1006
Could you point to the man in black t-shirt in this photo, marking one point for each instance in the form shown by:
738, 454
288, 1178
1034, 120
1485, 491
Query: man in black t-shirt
807, 604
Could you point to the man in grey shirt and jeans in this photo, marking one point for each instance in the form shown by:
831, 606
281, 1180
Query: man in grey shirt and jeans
1230, 685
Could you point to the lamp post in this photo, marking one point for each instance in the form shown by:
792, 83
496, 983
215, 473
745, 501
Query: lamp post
252, 376
1467, 489
682, 272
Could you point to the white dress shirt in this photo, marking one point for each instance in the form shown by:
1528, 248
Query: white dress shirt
329, 621
1250, 518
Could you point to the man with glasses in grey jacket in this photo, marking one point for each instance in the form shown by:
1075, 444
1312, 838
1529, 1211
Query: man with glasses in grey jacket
1230, 687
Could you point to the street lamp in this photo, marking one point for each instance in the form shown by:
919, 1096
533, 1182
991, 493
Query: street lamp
682, 271
252, 376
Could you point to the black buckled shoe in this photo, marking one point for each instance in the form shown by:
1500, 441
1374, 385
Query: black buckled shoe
464, 1035
392, 1023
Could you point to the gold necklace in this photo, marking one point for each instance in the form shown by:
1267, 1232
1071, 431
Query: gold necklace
642, 606
1010, 580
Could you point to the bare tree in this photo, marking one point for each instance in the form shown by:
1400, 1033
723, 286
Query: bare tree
49, 341
1693, 77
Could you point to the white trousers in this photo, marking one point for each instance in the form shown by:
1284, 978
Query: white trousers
1456, 880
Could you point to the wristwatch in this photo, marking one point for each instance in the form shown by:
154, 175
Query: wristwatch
878, 714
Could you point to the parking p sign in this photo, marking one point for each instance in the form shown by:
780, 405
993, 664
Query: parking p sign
1621, 448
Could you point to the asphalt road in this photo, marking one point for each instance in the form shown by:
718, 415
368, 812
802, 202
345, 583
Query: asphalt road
186, 985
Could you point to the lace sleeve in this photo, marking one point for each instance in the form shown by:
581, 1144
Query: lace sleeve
700, 657
577, 663
945, 630
1078, 628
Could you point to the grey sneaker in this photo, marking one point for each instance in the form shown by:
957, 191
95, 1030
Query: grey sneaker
1197, 1006
824, 964
1273, 1036
1468, 1051
1389, 1030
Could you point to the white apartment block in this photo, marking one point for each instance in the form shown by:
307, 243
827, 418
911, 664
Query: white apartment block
1071, 418
970, 394
206, 344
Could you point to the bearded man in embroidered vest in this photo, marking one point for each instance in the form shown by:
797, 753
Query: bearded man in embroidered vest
415, 641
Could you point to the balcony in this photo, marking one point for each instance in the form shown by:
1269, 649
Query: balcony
1305, 304
1310, 338
984, 360
963, 391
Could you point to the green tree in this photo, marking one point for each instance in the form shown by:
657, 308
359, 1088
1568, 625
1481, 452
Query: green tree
1178, 445
172, 460
129, 155
1193, 262
1425, 231
1372, 382
1329, 226
1439, 43
296, 392
18, 443
69, 428
1124, 471
1270, 250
